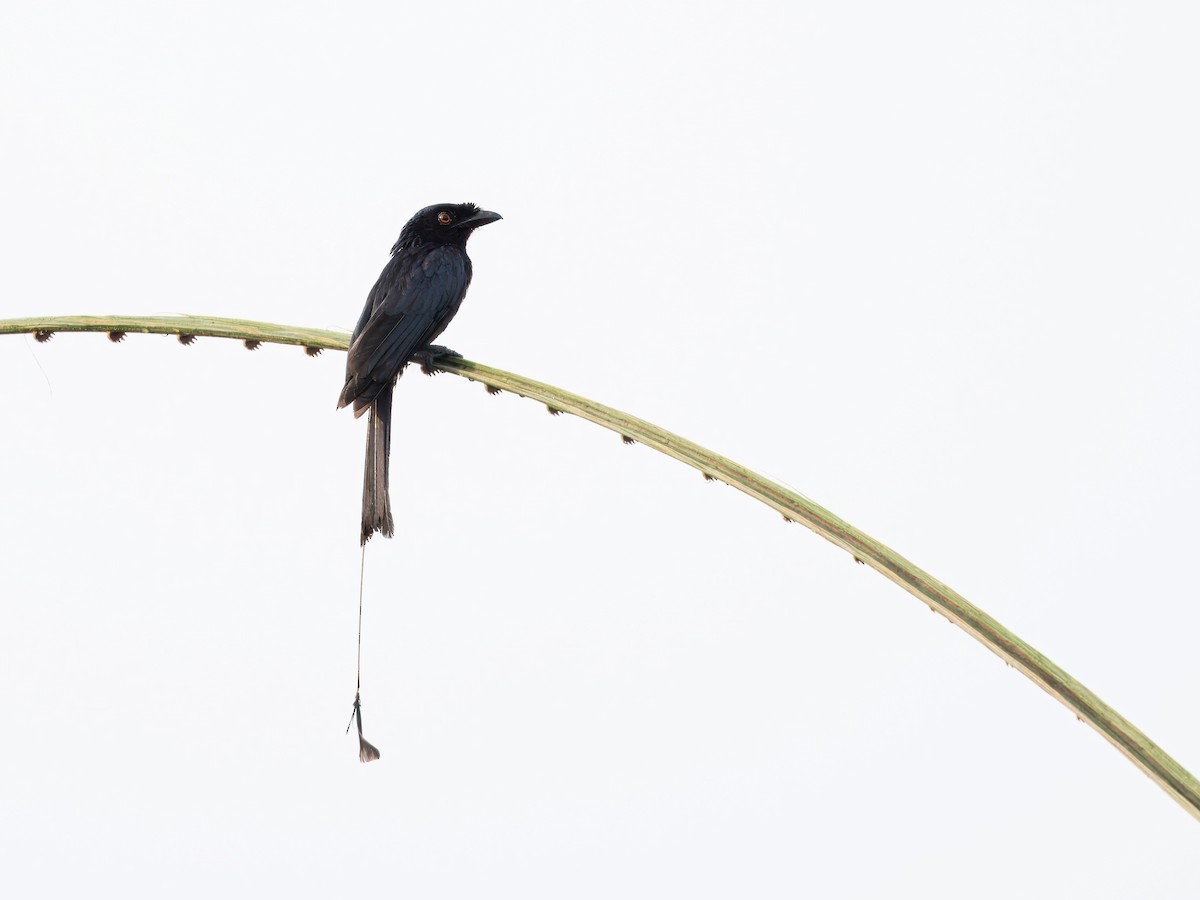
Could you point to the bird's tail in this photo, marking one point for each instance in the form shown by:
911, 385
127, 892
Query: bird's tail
376, 507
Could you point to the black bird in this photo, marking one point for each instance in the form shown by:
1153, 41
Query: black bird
416, 296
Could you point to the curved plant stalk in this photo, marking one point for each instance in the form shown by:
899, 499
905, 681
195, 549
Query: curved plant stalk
1143, 752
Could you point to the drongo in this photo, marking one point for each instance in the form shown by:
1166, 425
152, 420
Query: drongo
416, 296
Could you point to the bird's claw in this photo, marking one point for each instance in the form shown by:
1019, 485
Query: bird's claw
428, 357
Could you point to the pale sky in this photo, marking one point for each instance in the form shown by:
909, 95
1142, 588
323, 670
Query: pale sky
932, 265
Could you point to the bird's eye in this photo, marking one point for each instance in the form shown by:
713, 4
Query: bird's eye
444, 218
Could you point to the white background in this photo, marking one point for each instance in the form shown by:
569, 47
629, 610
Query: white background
932, 264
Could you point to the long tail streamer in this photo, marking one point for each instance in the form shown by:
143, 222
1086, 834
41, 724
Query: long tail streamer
367, 752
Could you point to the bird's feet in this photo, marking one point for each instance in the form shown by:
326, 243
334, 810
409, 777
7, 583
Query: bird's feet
428, 357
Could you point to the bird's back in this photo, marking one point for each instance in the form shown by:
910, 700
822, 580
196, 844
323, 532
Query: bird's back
416, 296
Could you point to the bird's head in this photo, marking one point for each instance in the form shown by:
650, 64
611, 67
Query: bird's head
445, 223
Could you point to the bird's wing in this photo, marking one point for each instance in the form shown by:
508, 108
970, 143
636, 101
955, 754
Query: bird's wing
413, 301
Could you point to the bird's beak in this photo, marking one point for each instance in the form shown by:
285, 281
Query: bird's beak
483, 217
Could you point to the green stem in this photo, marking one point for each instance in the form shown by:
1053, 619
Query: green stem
1143, 752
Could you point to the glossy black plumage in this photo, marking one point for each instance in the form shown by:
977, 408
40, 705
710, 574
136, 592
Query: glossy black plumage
416, 296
